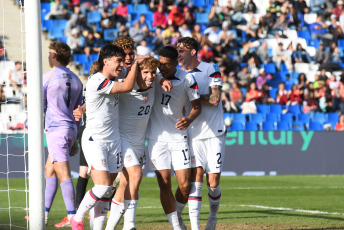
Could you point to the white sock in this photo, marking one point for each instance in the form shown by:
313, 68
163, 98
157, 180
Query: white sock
180, 207
173, 219
195, 202
46, 214
130, 214
100, 213
116, 213
90, 200
214, 195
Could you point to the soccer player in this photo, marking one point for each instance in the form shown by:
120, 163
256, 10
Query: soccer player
167, 135
101, 140
206, 134
134, 112
62, 91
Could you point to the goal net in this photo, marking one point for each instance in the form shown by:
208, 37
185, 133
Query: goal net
21, 173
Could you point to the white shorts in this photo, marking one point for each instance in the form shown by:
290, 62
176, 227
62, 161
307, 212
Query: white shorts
163, 155
132, 154
208, 153
104, 156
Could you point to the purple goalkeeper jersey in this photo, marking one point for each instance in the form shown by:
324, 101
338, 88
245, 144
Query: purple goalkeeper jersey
62, 93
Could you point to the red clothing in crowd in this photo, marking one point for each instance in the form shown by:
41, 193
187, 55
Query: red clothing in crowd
175, 17
159, 19
205, 55
122, 11
295, 96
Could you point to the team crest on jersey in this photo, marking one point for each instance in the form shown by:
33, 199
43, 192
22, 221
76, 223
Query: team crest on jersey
145, 97
103, 162
129, 158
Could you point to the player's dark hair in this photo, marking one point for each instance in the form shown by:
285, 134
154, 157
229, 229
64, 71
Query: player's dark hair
109, 51
169, 52
63, 52
188, 42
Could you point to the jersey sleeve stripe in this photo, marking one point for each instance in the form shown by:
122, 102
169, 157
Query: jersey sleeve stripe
215, 75
194, 86
103, 84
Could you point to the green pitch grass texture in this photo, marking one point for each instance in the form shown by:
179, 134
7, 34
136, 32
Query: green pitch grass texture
268, 202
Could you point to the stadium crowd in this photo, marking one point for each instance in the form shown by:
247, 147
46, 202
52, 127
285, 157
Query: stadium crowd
269, 52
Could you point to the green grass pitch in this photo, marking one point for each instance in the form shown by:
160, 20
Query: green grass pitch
268, 202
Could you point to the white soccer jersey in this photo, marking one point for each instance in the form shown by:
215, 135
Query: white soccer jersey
210, 122
134, 111
168, 108
101, 109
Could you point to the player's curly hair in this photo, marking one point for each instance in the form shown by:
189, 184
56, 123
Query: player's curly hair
63, 52
188, 42
150, 63
124, 42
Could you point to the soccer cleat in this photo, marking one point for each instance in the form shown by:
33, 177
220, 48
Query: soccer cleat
64, 223
211, 224
76, 225
181, 223
45, 219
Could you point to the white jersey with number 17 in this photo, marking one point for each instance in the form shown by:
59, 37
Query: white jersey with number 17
168, 108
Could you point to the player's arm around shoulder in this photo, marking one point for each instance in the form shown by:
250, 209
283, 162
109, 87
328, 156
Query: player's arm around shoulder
128, 84
215, 86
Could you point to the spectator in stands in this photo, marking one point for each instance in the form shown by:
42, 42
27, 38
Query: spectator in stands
91, 43
281, 24
197, 35
247, 53
274, 9
263, 53
340, 124
142, 21
73, 21
228, 40
280, 56
142, 49
159, 17
301, 6
311, 104
74, 41
318, 29
341, 98
282, 94
262, 78
252, 95
320, 54
2, 52
16, 75
211, 35
137, 33
251, 7
265, 95
322, 76
300, 55
2, 94
262, 31
57, 11
333, 54
226, 17
106, 22
168, 34
116, 18
334, 85
175, 38
238, 10
317, 6
218, 55
122, 10
184, 30
244, 77
158, 40
251, 28
175, 17
189, 19
269, 20
338, 9
123, 31
154, 5
335, 28
295, 95
205, 54
215, 13
236, 98
302, 83
295, 19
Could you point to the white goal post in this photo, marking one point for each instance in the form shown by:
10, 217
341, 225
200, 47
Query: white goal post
35, 113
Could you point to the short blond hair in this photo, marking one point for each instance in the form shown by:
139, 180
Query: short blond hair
149, 63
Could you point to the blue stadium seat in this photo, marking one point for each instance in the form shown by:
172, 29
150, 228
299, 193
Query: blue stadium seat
272, 117
60, 23
237, 126
270, 68
251, 126
283, 125
276, 108
263, 108
130, 9
141, 8
294, 109
304, 118
288, 117
55, 34
268, 126
202, 18
313, 42
45, 6
62, 39
257, 117
315, 126
93, 57
319, 117
243, 91
304, 34
333, 117
228, 116
341, 43
298, 126
80, 59
47, 25
281, 75
149, 17
199, 3
93, 17
110, 34
273, 93
239, 117
86, 68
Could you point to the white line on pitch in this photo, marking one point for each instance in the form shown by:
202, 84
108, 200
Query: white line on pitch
294, 210
282, 187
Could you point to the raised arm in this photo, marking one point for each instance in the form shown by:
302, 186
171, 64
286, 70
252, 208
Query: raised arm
214, 96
